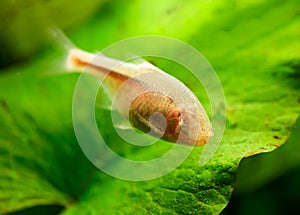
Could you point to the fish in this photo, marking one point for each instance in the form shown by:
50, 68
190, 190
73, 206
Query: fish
152, 100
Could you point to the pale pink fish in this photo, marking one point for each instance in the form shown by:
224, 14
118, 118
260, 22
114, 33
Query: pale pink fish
149, 98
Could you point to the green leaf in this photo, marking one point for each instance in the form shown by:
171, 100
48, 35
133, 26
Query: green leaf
270, 166
254, 48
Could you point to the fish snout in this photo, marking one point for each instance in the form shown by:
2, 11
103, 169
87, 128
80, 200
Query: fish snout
195, 128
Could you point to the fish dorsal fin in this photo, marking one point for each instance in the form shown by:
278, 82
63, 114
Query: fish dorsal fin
149, 67
143, 64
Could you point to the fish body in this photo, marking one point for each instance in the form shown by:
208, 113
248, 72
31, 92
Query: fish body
153, 101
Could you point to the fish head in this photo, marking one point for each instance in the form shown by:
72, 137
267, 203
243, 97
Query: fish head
177, 122
188, 125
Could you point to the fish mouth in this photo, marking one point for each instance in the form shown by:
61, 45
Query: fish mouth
192, 142
202, 138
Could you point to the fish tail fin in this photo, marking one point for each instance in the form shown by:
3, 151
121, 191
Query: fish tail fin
76, 59
59, 39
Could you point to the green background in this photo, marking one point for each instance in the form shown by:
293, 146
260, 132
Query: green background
252, 45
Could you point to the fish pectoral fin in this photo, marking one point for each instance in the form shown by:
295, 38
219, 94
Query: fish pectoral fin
120, 122
153, 128
104, 100
123, 125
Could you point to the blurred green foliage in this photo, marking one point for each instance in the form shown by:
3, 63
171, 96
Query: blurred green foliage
24, 24
254, 48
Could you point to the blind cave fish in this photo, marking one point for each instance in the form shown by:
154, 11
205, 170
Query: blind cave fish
153, 101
